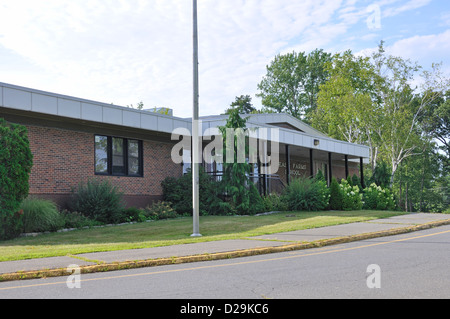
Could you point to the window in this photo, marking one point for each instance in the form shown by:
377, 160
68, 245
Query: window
118, 156
101, 154
186, 161
134, 165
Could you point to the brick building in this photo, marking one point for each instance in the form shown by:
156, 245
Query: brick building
74, 139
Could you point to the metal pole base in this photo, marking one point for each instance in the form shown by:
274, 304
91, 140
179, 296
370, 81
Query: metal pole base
196, 235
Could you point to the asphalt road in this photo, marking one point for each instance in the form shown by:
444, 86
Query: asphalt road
415, 265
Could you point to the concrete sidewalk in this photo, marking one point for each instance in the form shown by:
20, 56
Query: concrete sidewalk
295, 240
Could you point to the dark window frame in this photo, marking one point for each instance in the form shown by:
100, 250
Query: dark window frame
125, 155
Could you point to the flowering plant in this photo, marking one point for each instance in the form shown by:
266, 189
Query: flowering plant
351, 197
376, 197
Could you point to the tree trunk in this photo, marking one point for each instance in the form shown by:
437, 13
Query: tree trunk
406, 198
394, 169
400, 189
421, 185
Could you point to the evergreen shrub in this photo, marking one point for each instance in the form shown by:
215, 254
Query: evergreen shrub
335, 195
16, 161
178, 191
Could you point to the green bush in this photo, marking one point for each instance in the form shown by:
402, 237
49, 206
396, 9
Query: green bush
320, 176
16, 161
76, 220
381, 175
335, 195
376, 197
40, 215
350, 181
256, 202
351, 198
160, 210
176, 191
179, 193
356, 181
274, 202
133, 214
306, 194
98, 200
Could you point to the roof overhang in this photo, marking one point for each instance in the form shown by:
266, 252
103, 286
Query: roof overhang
56, 108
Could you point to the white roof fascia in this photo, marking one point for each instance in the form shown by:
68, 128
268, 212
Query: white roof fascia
295, 138
26, 99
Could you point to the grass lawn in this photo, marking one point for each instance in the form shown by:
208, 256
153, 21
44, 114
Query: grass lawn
174, 232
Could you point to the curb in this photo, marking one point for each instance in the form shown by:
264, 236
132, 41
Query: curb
61, 272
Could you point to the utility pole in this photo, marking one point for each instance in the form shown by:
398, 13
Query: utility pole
195, 136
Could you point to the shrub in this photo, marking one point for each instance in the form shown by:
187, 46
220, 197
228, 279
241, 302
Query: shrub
160, 210
179, 193
40, 215
351, 198
320, 176
306, 194
176, 191
133, 214
274, 202
256, 202
335, 195
381, 175
76, 220
356, 181
16, 161
376, 197
350, 181
97, 200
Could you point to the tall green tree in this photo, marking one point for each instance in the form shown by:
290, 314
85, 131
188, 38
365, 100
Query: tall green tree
243, 104
348, 106
418, 183
373, 102
292, 81
236, 170
404, 103
436, 121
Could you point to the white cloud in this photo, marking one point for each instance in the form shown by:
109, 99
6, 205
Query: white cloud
424, 49
118, 52
408, 6
445, 19
132, 50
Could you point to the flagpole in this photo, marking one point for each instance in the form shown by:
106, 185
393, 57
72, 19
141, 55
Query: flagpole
195, 135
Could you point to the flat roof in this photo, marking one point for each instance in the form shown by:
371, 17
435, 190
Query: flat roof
63, 106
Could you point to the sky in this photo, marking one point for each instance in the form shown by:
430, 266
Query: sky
127, 51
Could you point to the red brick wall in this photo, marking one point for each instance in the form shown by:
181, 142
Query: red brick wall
63, 159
